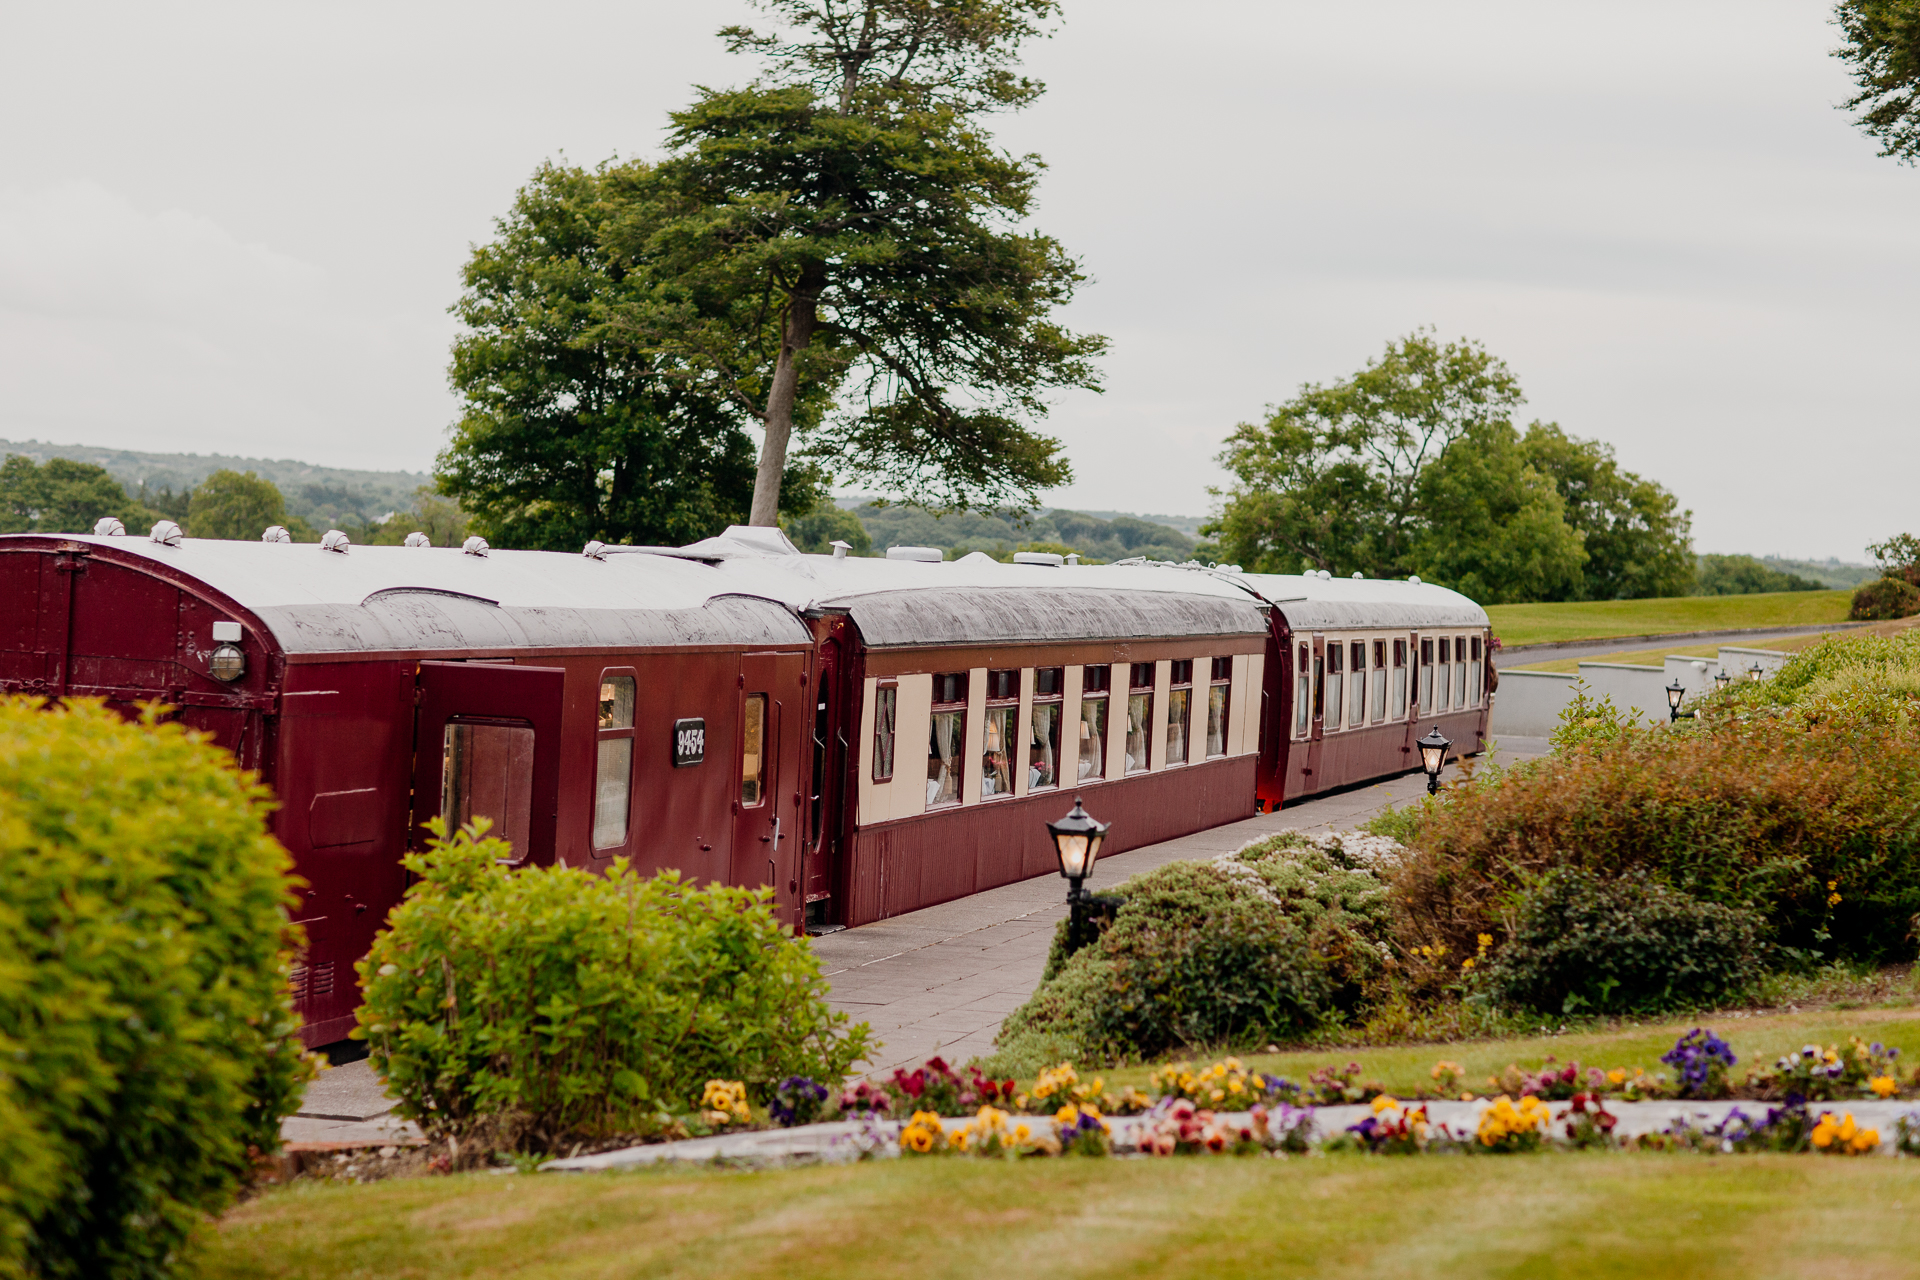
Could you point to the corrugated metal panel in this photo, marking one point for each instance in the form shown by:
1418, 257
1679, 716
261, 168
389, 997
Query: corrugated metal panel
972, 615
401, 620
1342, 604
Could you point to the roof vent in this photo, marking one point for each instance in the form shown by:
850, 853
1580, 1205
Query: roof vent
1414, 578
417, 539
109, 527
276, 533
594, 551
335, 541
1326, 575
1358, 576
167, 534
1053, 560
840, 548
931, 555
475, 546
1073, 557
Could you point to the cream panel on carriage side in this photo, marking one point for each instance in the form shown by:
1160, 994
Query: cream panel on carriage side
1157, 740
1237, 706
1253, 702
1070, 685
976, 736
916, 724
1023, 723
875, 798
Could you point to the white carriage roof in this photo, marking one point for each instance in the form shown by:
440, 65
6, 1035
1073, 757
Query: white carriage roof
745, 587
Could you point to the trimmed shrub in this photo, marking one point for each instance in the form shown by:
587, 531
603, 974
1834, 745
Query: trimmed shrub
1268, 943
151, 1047
1885, 598
547, 1004
1759, 814
1580, 944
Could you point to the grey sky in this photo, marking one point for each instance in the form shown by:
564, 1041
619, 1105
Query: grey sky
237, 227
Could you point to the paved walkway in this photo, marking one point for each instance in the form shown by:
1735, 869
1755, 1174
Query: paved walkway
940, 980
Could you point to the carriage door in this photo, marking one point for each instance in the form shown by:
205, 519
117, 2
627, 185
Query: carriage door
768, 837
1317, 692
827, 752
487, 744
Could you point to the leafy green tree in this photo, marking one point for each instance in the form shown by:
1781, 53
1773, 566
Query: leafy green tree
1637, 538
1333, 478
235, 505
1882, 48
1744, 575
839, 248
1493, 527
1898, 557
62, 496
441, 519
568, 434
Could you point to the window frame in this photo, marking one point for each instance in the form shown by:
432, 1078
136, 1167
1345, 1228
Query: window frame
950, 706
1103, 692
629, 732
1219, 676
999, 701
886, 699
1175, 685
1056, 698
766, 705
1144, 692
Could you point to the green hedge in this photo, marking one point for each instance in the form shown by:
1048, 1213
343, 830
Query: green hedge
544, 1005
149, 1042
1269, 943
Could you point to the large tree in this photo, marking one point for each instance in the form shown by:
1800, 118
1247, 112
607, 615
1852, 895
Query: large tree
1883, 50
1413, 465
1639, 541
63, 496
844, 224
569, 433
235, 505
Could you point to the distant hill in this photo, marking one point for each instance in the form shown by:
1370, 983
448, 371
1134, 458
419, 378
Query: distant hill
321, 496
1000, 535
1834, 574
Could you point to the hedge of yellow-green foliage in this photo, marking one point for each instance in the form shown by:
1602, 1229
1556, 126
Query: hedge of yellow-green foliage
147, 1042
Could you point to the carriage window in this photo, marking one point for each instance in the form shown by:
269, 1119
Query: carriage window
487, 772
886, 711
1003, 709
613, 765
1302, 703
1336, 673
1399, 678
753, 760
1043, 729
1139, 717
947, 737
1424, 677
1219, 686
1093, 722
1444, 674
1179, 712
1357, 670
1479, 676
1379, 679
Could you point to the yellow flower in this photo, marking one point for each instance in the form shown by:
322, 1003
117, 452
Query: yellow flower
1382, 1102
1616, 1076
1833, 899
1217, 1094
1234, 1086
1885, 1086
917, 1138
1067, 1115
1832, 885
1866, 1140
1486, 940
1022, 1134
1466, 964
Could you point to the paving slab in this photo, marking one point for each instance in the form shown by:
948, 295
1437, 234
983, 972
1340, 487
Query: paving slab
906, 976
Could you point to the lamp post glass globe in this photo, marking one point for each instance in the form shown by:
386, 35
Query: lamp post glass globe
1754, 672
1722, 678
1675, 692
1076, 841
1433, 755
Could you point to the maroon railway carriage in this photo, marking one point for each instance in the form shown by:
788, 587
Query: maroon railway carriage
865, 737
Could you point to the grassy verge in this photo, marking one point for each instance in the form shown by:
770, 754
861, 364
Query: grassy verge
1756, 1038
1597, 620
1551, 1216
1653, 656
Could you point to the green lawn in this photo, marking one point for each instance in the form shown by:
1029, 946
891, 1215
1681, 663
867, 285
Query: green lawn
1756, 1039
1597, 620
1655, 655
1561, 1215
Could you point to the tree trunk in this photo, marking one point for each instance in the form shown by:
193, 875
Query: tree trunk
801, 314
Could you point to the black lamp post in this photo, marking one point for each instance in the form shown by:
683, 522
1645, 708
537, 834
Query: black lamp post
1722, 678
1754, 673
1675, 692
1076, 841
1433, 755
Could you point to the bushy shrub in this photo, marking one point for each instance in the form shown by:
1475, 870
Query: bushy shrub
1885, 598
550, 1003
1817, 829
151, 1043
1267, 943
1580, 944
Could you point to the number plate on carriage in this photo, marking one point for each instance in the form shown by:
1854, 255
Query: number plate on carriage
689, 743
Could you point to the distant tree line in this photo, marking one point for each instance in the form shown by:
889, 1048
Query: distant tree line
64, 496
871, 529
